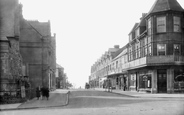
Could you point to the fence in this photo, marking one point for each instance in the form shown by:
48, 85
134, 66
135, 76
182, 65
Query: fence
7, 97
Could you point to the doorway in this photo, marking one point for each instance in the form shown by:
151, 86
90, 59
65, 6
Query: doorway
162, 81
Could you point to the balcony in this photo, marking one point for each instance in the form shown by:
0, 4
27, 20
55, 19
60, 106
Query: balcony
165, 60
147, 61
154, 60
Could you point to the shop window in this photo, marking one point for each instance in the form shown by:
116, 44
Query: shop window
133, 79
161, 49
145, 81
179, 80
161, 24
176, 24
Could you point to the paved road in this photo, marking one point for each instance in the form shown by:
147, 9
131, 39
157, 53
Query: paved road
92, 102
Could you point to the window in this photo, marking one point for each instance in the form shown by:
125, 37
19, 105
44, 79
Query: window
149, 46
149, 26
145, 46
146, 50
149, 49
145, 81
161, 24
136, 52
116, 64
130, 37
176, 24
161, 49
177, 49
137, 31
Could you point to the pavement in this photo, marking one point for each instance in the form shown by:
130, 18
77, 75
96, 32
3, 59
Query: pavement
57, 98
144, 94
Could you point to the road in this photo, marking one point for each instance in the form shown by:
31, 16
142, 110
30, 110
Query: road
92, 102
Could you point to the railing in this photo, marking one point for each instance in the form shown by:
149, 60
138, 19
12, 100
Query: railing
14, 96
150, 60
165, 59
146, 61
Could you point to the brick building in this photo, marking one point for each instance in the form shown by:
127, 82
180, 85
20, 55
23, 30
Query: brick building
60, 77
153, 60
37, 48
27, 54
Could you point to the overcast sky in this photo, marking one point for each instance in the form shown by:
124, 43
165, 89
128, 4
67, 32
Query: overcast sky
85, 29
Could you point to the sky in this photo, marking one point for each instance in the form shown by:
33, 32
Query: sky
85, 29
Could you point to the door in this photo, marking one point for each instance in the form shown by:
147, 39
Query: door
162, 81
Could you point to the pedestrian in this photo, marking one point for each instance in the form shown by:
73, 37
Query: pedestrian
109, 86
47, 93
43, 92
37, 93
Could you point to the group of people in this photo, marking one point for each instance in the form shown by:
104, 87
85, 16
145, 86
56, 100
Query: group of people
42, 92
107, 85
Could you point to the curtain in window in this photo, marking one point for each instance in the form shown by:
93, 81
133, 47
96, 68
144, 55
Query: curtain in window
161, 24
161, 49
176, 24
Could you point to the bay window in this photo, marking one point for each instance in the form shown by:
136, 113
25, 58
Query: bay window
161, 49
176, 24
161, 24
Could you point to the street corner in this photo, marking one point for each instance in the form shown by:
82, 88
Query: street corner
55, 100
4, 107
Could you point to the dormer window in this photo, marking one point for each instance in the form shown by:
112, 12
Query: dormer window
130, 37
137, 32
176, 24
161, 24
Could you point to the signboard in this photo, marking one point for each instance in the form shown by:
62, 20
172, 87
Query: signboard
145, 78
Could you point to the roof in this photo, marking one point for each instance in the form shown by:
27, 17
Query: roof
142, 21
165, 5
117, 52
42, 27
58, 66
135, 25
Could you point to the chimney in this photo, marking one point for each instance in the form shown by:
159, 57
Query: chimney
143, 15
116, 46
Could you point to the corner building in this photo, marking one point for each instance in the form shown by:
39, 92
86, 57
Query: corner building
153, 59
156, 50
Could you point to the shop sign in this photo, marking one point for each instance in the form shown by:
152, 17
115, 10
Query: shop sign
145, 78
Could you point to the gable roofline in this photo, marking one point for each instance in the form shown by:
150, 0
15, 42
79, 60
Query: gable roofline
165, 5
135, 25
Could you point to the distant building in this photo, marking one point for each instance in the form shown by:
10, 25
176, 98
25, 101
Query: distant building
99, 70
59, 76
